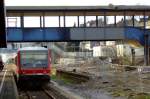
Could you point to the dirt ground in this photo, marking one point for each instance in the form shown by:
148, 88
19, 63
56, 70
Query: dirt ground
108, 82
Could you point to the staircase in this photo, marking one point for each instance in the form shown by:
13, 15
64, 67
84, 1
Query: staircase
60, 50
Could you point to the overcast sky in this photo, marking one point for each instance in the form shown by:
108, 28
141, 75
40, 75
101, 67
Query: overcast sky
74, 2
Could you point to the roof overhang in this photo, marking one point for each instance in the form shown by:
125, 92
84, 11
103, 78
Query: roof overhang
77, 10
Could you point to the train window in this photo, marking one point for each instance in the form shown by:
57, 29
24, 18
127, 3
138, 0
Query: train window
34, 59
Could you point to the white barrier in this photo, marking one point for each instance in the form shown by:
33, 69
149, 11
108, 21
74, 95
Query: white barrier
144, 69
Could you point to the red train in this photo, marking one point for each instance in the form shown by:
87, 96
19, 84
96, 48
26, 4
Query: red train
33, 64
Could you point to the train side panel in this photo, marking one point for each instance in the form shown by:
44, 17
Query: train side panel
49, 62
16, 69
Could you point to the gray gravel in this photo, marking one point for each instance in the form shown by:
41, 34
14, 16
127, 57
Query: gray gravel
107, 83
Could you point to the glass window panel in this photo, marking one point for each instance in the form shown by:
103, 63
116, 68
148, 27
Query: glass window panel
110, 21
129, 21
13, 22
139, 21
91, 21
51, 21
100, 21
31, 21
61, 21
120, 21
34, 59
147, 22
71, 21
81, 21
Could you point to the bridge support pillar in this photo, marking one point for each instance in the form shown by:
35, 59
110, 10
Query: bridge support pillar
146, 51
133, 56
2, 25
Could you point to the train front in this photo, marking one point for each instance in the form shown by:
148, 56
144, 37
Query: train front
34, 65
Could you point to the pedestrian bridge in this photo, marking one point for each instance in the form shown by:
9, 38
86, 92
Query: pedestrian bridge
73, 34
77, 23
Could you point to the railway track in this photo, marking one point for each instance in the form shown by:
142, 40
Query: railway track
73, 75
46, 92
50, 94
39, 94
50, 91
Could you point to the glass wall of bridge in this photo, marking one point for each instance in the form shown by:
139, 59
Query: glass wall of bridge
13, 22
32, 21
104, 19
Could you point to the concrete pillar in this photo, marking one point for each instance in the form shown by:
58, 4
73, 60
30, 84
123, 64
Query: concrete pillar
146, 50
146, 36
3, 42
133, 56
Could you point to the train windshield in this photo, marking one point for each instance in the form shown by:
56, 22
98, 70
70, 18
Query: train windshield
34, 59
